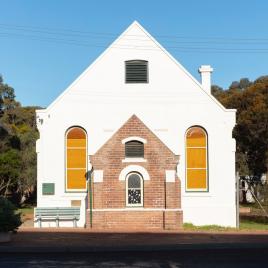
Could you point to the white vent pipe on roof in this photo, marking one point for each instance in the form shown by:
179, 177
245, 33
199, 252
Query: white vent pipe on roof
205, 72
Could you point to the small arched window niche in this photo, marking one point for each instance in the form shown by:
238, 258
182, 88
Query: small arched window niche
136, 71
196, 160
134, 190
76, 160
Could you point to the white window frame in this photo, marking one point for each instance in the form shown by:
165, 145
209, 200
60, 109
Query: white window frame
141, 188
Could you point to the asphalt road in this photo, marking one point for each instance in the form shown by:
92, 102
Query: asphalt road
173, 259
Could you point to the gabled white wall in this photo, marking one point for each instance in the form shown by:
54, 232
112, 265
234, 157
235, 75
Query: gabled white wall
100, 101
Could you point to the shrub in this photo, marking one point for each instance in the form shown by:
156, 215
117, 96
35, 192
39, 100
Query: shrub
9, 219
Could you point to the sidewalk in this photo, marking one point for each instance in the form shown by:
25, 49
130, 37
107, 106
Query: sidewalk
83, 240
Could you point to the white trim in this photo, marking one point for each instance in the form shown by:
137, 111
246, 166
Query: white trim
135, 209
170, 175
97, 176
198, 194
133, 138
134, 159
134, 168
81, 195
233, 145
38, 146
201, 190
84, 190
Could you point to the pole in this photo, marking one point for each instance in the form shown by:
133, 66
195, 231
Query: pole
90, 198
89, 179
237, 200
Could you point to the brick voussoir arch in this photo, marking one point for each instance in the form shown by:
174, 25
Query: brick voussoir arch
134, 168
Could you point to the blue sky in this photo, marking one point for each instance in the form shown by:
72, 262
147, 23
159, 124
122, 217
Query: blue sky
45, 45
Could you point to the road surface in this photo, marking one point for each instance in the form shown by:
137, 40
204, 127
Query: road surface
217, 258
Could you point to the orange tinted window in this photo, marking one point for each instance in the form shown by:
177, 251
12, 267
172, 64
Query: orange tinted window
76, 142
76, 159
196, 159
76, 179
76, 133
196, 136
197, 179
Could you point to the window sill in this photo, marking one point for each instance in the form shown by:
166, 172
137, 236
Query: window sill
134, 206
138, 159
71, 193
197, 194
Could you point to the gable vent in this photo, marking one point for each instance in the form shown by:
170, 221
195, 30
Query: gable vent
134, 149
136, 71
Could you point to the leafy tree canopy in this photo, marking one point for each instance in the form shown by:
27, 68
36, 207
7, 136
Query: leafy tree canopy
18, 134
251, 132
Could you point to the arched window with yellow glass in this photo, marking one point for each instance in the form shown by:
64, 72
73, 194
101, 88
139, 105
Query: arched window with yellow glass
76, 159
196, 159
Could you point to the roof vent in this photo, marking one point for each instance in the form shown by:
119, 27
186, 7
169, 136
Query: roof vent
136, 71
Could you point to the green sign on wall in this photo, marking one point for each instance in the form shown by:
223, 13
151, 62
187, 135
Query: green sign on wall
48, 188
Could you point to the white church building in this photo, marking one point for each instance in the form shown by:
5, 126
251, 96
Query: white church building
136, 143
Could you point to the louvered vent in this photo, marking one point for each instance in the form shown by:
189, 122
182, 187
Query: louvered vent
134, 149
136, 71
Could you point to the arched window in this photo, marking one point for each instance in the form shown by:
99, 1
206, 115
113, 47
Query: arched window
76, 159
134, 190
196, 160
134, 149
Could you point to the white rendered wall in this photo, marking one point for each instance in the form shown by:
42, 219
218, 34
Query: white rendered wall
172, 101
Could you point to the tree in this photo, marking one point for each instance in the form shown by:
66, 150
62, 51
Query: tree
216, 91
252, 126
7, 97
18, 134
251, 132
10, 163
27, 179
9, 219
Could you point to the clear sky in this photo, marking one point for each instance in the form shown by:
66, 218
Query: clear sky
46, 44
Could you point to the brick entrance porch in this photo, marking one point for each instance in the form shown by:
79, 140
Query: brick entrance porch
157, 204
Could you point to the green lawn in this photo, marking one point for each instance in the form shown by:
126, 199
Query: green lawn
244, 225
251, 225
191, 227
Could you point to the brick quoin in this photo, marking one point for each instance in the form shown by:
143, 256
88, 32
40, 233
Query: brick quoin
162, 200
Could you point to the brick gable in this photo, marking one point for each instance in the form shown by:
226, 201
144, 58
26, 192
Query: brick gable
109, 196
